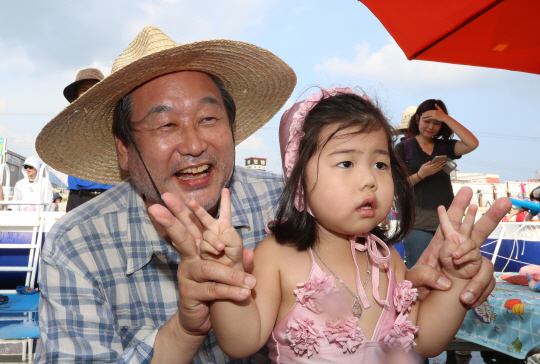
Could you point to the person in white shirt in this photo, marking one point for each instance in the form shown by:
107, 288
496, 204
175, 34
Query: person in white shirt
28, 189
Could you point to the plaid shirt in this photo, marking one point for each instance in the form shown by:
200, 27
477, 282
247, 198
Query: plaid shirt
108, 280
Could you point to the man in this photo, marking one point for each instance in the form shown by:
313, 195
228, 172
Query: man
30, 188
114, 288
81, 191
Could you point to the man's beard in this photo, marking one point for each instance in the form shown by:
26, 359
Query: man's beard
143, 184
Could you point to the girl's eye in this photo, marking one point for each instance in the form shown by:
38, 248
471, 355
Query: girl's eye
380, 165
346, 164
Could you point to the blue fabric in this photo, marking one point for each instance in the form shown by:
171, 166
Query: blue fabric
18, 318
513, 330
108, 279
75, 183
415, 244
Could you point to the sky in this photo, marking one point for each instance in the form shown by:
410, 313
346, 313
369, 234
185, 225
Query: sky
43, 44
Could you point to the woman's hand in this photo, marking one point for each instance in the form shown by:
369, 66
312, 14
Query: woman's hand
431, 168
438, 115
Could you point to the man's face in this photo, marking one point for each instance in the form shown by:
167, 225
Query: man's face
181, 128
31, 172
85, 86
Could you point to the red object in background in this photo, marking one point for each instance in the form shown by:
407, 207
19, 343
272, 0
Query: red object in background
521, 216
488, 33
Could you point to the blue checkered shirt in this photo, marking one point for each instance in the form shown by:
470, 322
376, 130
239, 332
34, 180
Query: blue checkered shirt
108, 280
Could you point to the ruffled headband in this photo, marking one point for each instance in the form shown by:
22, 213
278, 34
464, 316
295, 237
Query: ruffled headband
290, 132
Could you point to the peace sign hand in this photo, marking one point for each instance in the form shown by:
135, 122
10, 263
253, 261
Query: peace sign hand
460, 257
220, 242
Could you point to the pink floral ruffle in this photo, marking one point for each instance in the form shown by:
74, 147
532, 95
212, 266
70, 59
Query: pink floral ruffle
345, 333
312, 292
402, 335
303, 337
404, 296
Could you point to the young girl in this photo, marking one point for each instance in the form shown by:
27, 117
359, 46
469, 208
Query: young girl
328, 286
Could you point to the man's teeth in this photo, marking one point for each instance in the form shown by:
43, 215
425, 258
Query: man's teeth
198, 169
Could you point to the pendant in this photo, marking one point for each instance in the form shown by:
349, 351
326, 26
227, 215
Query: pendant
357, 308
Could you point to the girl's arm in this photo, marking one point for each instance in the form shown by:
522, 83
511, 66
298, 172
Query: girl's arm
242, 328
468, 141
441, 314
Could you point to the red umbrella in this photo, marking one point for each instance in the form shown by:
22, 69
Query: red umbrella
498, 34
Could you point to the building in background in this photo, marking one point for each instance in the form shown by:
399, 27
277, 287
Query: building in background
14, 162
256, 163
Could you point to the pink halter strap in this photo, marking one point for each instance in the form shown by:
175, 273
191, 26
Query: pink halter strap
371, 247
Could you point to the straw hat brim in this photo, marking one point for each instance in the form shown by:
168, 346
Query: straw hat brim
79, 140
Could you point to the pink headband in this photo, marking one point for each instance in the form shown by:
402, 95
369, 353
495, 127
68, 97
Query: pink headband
290, 132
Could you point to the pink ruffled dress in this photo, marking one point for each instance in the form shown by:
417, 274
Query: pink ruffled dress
321, 327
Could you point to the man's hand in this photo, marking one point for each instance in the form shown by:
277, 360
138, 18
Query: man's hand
199, 281
427, 275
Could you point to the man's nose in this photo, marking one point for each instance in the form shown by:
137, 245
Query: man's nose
192, 142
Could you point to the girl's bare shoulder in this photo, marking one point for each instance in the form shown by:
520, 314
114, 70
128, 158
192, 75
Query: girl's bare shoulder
269, 250
397, 264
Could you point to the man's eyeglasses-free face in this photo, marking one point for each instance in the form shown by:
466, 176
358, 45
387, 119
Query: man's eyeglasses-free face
26, 166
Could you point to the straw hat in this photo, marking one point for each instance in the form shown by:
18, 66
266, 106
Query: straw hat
406, 117
79, 140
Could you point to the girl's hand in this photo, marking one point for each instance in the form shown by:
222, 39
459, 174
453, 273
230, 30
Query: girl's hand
220, 241
438, 114
459, 255
431, 168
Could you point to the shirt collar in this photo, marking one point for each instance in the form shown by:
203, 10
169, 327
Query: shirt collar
143, 241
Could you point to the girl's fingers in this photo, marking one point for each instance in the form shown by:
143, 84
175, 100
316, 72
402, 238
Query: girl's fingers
213, 243
208, 252
445, 224
186, 217
225, 207
472, 256
463, 249
207, 221
468, 222
181, 238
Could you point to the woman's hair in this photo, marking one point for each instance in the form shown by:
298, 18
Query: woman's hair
445, 133
298, 229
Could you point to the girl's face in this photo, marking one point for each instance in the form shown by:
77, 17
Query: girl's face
429, 128
349, 182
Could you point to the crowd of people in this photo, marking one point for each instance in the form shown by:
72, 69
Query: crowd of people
178, 256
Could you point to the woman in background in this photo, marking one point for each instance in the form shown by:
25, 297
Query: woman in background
431, 129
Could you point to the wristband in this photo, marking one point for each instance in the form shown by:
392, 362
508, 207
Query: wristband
419, 176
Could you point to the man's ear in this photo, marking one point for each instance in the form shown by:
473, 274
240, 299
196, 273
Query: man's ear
122, 152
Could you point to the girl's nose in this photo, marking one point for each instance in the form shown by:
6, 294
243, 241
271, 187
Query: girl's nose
191, 142
367, 179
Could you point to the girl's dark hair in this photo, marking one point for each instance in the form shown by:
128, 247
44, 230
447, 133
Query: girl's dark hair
445, 133
345, 110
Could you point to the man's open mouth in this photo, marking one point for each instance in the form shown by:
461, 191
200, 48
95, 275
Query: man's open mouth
194, 172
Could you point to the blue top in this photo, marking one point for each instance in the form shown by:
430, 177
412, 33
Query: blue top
75, 183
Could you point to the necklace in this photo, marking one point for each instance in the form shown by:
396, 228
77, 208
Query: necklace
356, 307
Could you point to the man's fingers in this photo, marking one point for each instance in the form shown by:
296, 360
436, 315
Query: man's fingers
247, 258
479, 284
186, 217
204, 271
459, 204
486, 293
468, 222
427, 276
211, 291
489, 221
181, 238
